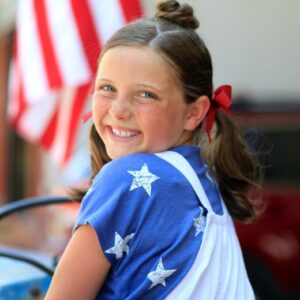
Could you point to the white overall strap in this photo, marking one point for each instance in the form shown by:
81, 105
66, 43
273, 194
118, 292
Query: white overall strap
183, 166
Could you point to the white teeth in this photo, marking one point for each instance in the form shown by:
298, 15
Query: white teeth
123, 133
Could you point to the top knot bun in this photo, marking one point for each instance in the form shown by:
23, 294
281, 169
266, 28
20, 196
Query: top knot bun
182, 15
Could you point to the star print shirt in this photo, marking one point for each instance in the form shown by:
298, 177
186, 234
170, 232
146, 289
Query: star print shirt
149, 222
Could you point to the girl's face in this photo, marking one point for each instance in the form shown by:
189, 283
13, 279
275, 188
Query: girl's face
138, 104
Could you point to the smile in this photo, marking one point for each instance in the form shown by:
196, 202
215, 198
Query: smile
124, 133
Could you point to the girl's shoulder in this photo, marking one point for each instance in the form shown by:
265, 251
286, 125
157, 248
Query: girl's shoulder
119, 169
119, 166
140, 167
130, 159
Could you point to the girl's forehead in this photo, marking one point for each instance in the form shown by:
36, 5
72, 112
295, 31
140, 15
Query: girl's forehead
138, 61
139, 52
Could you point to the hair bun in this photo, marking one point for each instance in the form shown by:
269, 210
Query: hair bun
182, 15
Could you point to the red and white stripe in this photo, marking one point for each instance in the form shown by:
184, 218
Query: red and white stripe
57, 45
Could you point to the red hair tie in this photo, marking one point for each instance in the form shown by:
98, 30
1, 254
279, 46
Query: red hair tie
221, 99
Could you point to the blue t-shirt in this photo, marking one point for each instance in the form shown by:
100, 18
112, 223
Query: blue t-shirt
149, 222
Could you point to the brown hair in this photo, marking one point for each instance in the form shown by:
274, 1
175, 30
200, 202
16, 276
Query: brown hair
172, 34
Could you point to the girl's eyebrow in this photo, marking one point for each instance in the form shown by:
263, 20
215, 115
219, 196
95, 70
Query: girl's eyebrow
142, 85
103, 79
149, 86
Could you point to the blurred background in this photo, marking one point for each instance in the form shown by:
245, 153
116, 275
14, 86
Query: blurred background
255, 47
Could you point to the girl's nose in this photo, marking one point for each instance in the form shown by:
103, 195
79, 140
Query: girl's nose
120, 109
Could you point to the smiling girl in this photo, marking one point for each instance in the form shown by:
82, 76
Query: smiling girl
170, 170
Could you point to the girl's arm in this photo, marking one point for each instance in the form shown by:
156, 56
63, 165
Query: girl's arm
82, 268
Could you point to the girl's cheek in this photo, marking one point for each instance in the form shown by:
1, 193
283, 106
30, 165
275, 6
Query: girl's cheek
99, 103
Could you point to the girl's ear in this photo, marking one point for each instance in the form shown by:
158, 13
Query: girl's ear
196, 113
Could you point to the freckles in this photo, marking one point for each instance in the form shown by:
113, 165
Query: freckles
99, 104
154, 110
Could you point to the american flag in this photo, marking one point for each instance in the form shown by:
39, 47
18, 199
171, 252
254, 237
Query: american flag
57, 44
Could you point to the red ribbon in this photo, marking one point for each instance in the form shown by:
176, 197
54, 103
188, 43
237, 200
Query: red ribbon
221, 99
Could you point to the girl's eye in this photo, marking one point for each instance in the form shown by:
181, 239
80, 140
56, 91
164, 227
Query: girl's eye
107, 88
104, 89
148, 95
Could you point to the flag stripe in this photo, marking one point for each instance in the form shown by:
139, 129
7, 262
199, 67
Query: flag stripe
108, 17
67, 44
50, 61
85, 23
31, 67
59, 142
48, 136
131, 9
18, 93
38, 113
20, 106
81, 96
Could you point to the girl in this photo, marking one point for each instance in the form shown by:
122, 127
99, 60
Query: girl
156, 221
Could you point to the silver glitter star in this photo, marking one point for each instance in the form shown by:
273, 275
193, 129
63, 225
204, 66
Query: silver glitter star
143, 178
120, 245
159, 275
